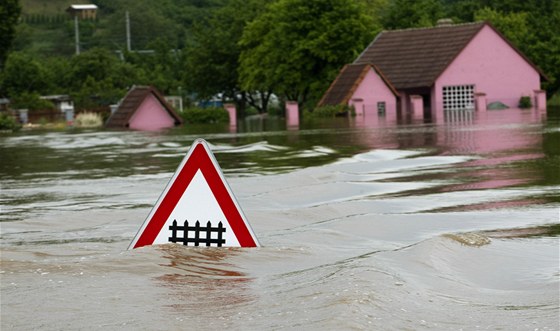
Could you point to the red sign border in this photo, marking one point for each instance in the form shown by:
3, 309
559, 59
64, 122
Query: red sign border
199, 158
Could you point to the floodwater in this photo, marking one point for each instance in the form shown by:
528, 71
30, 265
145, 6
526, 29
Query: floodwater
364, 224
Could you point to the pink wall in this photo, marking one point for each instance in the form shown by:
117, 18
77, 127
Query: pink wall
232, 112
417, 104
292, 114
372, 90
493, 67
151, 115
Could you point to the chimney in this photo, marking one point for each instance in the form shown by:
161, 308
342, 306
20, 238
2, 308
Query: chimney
444, 22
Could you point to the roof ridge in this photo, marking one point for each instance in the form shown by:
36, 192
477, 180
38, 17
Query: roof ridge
427, 63
368, 46
436, 27
141, 92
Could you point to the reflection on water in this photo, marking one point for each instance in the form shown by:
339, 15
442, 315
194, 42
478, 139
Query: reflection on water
203, 275
365, 222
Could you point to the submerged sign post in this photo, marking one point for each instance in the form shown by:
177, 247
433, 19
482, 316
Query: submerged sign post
197, 208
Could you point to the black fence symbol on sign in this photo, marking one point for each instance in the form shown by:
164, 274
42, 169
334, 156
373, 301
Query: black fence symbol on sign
196, 230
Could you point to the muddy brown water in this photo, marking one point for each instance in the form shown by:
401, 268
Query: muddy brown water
364, 224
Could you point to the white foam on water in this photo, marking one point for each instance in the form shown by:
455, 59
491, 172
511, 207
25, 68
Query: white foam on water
365, 241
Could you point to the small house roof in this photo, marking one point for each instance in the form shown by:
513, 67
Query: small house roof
347, 81
82, 7
130, 103
56, 98
413, 58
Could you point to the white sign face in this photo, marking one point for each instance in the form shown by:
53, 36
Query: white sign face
198, 204
197, 208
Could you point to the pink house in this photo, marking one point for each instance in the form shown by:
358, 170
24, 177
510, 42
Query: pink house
365, 87
143, 108
444, 68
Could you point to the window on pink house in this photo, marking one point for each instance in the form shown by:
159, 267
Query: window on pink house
458, 97
381, 107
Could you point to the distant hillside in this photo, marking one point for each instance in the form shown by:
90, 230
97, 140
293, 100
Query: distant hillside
46, 29
47, 7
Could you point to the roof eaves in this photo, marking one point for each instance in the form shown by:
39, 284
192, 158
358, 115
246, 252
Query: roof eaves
385, 80
137, 102
518, 51
482, 24
333, 84
368, 47
166, 105
124, 102
356, 83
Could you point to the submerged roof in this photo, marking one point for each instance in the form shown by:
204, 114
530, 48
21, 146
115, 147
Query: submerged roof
130, 103
416, 57
347, 81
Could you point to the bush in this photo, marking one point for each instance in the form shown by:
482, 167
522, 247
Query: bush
525, 102
88, 120
554, 100
205, 115
8, 122
31, 101
275, 111
332, 111
249, 111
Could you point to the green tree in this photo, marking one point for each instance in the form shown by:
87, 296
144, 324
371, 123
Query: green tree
164, 67
98, 78
97, 63
401, 14
531, 26
9, 14
23, 73
544, 44
23, 37
59, 74
213, 55
93, 93
375, 9
513, 26
31, 101
297, 47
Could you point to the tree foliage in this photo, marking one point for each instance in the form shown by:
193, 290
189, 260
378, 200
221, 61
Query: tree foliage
242, 50
531, 26
214, 52
9, 14
99, 78
514, 26
402, 14
22, 73
296, 47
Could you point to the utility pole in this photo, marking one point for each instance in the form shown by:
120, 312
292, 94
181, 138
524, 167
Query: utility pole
128, 47
77, 32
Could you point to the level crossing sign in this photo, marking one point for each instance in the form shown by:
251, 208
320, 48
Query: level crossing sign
197, 208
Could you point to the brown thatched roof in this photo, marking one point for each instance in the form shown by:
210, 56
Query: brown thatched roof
414, 58
347, 81
130, 103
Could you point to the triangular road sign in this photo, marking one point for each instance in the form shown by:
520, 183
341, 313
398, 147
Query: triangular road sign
197, 208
